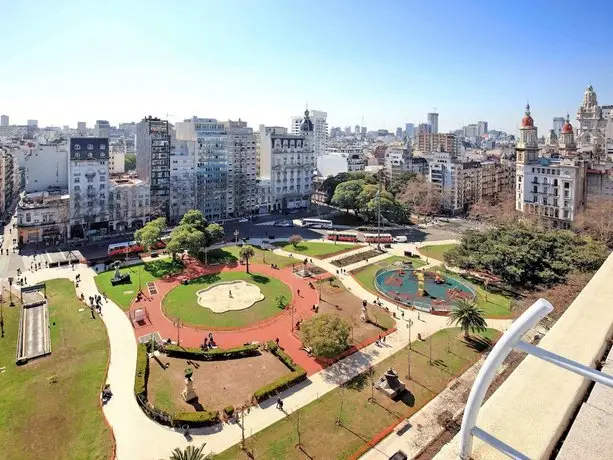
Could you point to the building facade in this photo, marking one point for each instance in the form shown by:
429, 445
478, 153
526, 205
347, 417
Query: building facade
400, 160
591, 125
242, 169
43, 217
128, 200
433, 122
288, 160
46, 166
154, 138
88, 180
102, 128
182, 179
551, 188
426, 142
340, 159
10, 182
320, 130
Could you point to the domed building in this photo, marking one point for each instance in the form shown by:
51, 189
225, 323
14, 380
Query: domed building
551, 188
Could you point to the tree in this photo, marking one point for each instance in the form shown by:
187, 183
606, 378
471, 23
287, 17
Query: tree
189, 453
597, 220
525, 255
215, 233
422, 197
346, 195
246, 253
330, 183
194, 219
295, 240
468, 316
400, 181
184, 237
326, 335
151, 233
498, 209
130, 162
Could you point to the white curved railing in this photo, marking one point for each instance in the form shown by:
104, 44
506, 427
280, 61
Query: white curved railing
512, 339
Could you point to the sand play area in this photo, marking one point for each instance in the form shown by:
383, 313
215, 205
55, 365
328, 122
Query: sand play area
229, 296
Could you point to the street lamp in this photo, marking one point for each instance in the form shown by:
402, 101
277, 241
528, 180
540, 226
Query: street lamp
178, 324
410, 324
1, 314
12, 304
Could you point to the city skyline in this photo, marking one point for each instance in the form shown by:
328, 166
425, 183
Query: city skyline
171, 60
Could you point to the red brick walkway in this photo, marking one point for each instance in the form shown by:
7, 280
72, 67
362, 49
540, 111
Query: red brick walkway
269, 329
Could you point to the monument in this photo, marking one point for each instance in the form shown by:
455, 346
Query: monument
304, 272
390, 384
118, 278
188, 392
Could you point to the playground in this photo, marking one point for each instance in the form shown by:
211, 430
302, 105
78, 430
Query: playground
423, 289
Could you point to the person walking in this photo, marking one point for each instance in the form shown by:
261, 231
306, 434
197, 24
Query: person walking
279, 403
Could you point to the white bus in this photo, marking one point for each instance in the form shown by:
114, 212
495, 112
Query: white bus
316, 223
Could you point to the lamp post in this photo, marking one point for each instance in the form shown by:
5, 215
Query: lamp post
178, 324
1, 314
410, 324
206, 253
12, 304
236, 233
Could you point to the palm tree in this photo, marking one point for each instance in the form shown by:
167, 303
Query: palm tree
468, 316
190, 453
246, 253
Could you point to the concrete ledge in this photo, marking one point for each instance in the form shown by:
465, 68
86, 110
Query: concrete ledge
533, 407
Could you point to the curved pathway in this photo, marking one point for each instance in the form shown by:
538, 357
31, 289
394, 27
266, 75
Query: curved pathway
138, 438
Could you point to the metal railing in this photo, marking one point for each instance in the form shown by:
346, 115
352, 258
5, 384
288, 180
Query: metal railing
510, 340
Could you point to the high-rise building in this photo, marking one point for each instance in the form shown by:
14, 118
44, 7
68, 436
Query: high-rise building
424, 128
348, 130
102, 128
364, 131
409, 129
592, 125
320, 130
433, 122
288, 160
242, 162
46, 167
33, 124
431, 142
399, 132
153, 146
356, 130
182, 179
481, 128
88, 180
558, 122
4, 121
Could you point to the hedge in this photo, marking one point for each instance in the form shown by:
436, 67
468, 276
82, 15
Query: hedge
142, 370
196, 419
229, 411
212, 354
298, 374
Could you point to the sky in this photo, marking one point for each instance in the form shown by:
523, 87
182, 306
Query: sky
386, 61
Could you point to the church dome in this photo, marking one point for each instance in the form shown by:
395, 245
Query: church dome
307, 124
527, 121
567, 128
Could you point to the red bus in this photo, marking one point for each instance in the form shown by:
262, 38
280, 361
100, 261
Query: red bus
375, 238
128, 248
343, 236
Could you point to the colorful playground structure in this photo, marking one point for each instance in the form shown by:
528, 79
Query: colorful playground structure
425, 290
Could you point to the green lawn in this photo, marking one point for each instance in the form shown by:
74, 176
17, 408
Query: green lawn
124, 294
361, 420
182, 301
49, 407
230, 254
436, 251
366, 275
316, 249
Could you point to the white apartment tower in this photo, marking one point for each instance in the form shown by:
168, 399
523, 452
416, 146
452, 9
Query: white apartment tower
320, 130
553, 187
88, 179
433, 122
288, 160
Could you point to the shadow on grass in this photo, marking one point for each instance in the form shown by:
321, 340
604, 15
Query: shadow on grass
260, 279
206, 279
407, 398
164, 267
217, 256
358, 383
477, 343
196, 405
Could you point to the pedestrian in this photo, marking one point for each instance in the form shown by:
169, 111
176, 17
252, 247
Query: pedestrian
418, 317
383, 339
277, 341
402, 314
105, 299
279, 403
298, 291
91, 310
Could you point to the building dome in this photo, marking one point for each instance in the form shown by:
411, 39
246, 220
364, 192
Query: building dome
307, 124
567, 128
527, 121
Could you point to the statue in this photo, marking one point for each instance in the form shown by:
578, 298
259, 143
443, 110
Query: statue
390, 384
364, 314
118, 278
188, 392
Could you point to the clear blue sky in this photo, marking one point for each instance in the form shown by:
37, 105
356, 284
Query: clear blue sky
390, 61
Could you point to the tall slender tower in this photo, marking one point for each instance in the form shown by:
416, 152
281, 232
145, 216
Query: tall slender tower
527, 146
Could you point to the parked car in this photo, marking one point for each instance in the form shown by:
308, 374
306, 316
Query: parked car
243, 220
400, 239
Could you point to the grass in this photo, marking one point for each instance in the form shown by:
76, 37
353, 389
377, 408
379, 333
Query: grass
230, 255
124, 294
316, 249
361, 419
436, 251
366, 275
182, 301
59, 417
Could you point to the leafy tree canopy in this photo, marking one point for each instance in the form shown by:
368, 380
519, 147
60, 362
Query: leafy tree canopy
326, 335
151, 232
195, 219
525, 255
346, 194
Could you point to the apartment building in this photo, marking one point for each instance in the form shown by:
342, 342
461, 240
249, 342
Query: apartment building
340, 159
129, 202
242, 169
182, 179
288, 160
430, 142
10, 182
399, 160
154, 138
43, 217
88, 180
46, 166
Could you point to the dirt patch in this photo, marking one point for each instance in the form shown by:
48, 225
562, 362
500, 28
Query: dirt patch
337, 300
217, 383
352, 259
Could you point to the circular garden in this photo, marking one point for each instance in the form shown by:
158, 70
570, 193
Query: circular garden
183, 301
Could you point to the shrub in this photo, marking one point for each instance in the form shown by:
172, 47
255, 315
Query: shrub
283, 357
279, 385
196, 419
229, 411
213, 354
142, 370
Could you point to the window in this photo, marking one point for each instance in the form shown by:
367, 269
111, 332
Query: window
102, 186
566, 185
77, 180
